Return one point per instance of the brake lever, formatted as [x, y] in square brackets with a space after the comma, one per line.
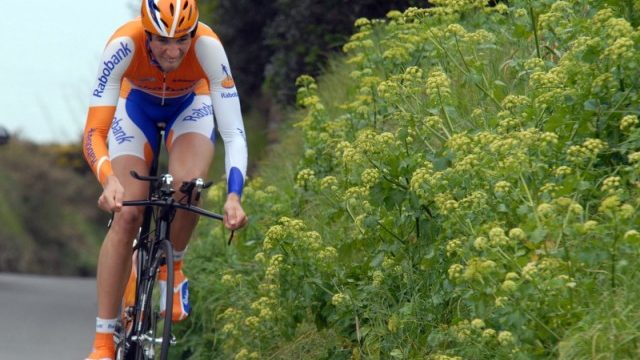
[231, 237]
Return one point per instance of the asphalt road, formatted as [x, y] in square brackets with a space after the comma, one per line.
[46, 318]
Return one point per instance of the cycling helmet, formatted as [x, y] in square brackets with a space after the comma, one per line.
[169, 18]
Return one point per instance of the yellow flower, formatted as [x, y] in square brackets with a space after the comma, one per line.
[228, 328]
[498, 237]
[632, 235]
[545, 210]
[512, 102]
[339, 299]
[512, 276]
[455, 271]
[517, 234]
[453, 246]
[617, 28]
[392, 324]
[456, 29]
[509, 286]
[563, 170]
[480, 243]
[252, 321]
[361, 22]
[329, 253]
[227, 279]
[634, 157]
[259, 257]
[370, 177]
[628, 122]
[611, 184]
[505, 338]
[305, 177]
[378, 277]
[477, 323]
[488, 333]
[609, 204]
[438, 84]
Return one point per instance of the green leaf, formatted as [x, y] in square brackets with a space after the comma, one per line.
[584, 185]
[397, 354]
[591, 105]
[523, 209]
[538, 235]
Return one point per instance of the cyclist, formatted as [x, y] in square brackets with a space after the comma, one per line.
[164, 66]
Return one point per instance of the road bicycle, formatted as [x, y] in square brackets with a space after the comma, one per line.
[142, 332]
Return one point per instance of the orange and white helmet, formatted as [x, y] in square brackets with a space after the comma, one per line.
[169, 18]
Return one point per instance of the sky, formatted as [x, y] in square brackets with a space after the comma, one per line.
[50, 56]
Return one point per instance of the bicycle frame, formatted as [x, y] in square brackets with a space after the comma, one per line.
[159, 209]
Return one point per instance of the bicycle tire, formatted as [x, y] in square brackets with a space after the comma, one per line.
[126, 348]
[147, 318]
[164, 254]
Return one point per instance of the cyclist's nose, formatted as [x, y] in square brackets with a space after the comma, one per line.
[173, 51]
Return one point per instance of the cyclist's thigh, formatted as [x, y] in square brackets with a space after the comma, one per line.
[129, 147]
[190, 140]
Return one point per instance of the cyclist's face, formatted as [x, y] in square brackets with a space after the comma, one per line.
[169, 52]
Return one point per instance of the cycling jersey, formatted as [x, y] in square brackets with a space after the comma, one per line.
[131, 89]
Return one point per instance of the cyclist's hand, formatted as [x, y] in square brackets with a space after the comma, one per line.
[112, 195]
[234, 216]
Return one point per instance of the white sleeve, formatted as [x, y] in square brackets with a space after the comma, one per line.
[115, 60]
[226, 107]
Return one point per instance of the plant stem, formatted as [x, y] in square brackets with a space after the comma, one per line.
[535, 29]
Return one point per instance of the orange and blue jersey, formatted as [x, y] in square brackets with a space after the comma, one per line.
[201, 87]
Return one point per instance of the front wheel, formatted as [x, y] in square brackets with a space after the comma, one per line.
[157, 338]
[150, 334]
[160, 323]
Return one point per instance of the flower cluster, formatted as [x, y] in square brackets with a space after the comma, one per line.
[438, 85]
[628, 122]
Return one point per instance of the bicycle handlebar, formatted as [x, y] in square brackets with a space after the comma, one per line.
[166, 200]
[174, 204]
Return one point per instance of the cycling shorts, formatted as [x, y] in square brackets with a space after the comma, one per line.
[134, 126]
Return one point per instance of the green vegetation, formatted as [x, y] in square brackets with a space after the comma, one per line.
[49, 221]
[270, 43]
[463, 184]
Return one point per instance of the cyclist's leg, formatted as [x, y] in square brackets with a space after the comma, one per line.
[128, 151]
[190, 145]
[114, 262]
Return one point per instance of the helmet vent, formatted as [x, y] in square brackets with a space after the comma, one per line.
[186, 3]
[165, 23]
[181, 21]
[155, 7]
[171, 9]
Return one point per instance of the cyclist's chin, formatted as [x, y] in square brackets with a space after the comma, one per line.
[169, 66]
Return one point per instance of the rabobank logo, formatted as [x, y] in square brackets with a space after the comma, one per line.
[229, 95]
[119, 133]
[89, 150]
[199, 113]
[108, 66]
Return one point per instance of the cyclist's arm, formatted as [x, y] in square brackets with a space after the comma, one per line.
[115, 60]
[226, 106]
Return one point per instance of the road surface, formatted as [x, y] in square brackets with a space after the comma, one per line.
[46, 317]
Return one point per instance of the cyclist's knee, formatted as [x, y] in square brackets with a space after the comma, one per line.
[128, 220]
